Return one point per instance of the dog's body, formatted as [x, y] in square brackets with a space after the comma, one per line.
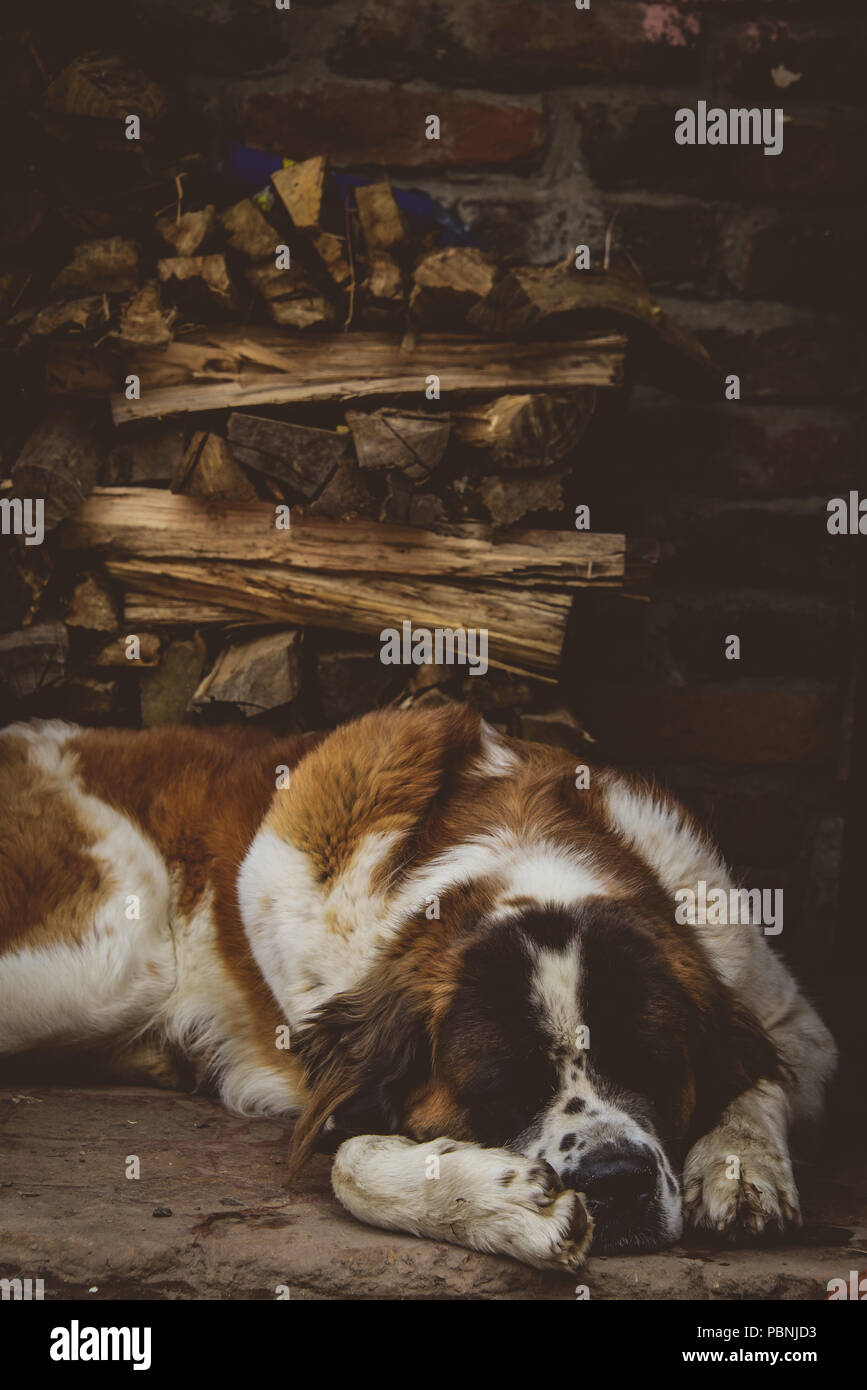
[432, 943]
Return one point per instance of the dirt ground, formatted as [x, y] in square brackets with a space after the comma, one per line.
[210, 1217]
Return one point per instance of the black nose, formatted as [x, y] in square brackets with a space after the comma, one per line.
[619, 1183]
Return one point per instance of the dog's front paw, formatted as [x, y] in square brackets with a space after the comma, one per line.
[527, 1213]
[739, 1195]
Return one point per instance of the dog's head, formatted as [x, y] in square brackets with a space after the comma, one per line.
[581, 1034]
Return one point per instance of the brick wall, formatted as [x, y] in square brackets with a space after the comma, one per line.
[556, 122]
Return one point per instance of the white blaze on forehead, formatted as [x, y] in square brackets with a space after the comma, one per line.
[552, 875]
[556, 981]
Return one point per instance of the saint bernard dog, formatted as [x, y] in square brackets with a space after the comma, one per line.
[461, 970]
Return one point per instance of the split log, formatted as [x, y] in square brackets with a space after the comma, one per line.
[249, 232]
[385, 236]
[525, 629]
[72, 316]
[59, 462]
[345, 495]
[381, 219]
[255, 676]
[199, 283]
[142, 609]
[92, 606]
[107, 266]
[103, 87]
[147, 455]
[290, 296]
[301, 189]
[301, 457]
[117, 653]
[448, 284]
[166, 691]
[412, 441]
[187, 234]
[212, 370]
[332, 252]
[209, 470]
[33, 659]
[155, 525]
[509, 499]
[145, 321]
[559, 299]
[525, 431]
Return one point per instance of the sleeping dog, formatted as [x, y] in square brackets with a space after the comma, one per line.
[457, 962]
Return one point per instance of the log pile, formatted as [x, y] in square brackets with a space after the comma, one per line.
[265, 428]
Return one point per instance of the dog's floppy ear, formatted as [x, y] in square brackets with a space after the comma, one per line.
[362, 1055]
[732, 1053]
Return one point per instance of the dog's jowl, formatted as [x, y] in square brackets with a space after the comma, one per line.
[552, 1061]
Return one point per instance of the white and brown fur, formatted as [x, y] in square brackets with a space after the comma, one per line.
[435, 912]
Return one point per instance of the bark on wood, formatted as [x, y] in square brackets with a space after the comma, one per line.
[199, 283]
[59, 462]
[92, 606]
[301, 457]
[332, 252]
[32, 659]
[155, 525]
[412, 441]
[525, 431]
[560, 299]
[381, 219]
[115, 654]
[71, 317]
[509, 499]
[290, 296]
[209, 470]
[525, 629]
[249, 232]
[212, 370]
[447, 284]
[145, 321]
[104, 87]
[187, 234]
[254, 676]
[167, 690]
[345, 495]
[107, 266]
[148, 454]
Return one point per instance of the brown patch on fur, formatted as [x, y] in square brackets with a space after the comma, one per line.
[380, 775]
[201, 795]
[50, 885]
[433, 1111]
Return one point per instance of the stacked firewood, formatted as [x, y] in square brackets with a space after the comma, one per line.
[259, 420]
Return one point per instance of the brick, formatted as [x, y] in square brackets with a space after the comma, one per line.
[773, 544]
[811, 258]
[755, 817]
[673, 241]
[629, 146]
[779, 353]
[508, 43]
[759, 56]
[781, 634]
[731, 450]
[363, 123]
[518, 46]
[735, 725]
